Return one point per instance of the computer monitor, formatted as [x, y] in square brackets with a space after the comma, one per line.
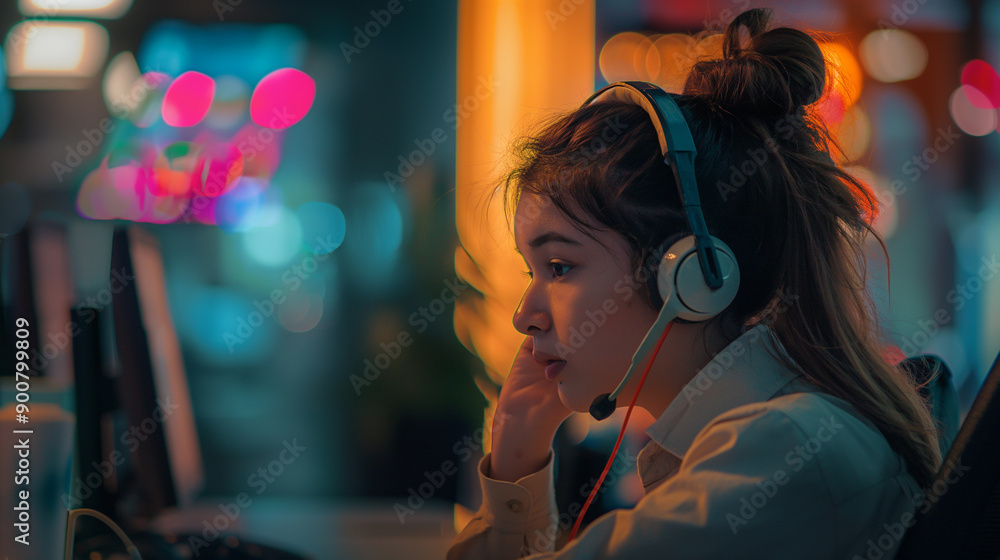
[37, 286]
[97, 414]
[153, 415]
[161, 438]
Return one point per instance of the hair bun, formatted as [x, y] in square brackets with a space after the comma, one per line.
[775, 74]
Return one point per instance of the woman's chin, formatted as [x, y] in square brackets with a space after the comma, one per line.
[573, 401]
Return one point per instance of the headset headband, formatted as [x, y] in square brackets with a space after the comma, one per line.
[678, 150]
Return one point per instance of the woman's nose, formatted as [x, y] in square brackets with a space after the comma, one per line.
[531, 315]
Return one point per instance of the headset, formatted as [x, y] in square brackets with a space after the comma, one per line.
[698, 276]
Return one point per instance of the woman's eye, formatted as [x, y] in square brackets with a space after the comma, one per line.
[559, 269]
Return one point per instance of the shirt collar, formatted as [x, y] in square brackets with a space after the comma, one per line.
[744, 372]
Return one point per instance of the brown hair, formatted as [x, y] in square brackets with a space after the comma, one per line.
[795, 220]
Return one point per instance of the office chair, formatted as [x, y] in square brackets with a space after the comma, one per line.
[960, 517]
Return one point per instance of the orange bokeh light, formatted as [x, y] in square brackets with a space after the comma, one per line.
[843, 82]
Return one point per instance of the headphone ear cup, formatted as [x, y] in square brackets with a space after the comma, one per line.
[682, 284]
[667, 266]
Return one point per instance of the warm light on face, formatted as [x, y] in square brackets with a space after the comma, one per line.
[44, 55]
[108, 9]
[558, 309]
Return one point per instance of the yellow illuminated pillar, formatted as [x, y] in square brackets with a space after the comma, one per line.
[518, 60]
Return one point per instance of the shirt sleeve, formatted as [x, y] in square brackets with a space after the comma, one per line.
[745, 489]
[512, 515]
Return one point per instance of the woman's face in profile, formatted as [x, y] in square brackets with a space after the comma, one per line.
[582, 304]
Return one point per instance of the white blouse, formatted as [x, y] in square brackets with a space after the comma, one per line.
[749, 461]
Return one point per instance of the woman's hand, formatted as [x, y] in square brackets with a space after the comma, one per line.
[529, 411]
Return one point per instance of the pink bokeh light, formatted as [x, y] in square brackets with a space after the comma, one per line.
[978, 74]
[282, 98]
[188, 99]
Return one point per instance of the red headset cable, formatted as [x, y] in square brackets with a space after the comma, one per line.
[621, 434]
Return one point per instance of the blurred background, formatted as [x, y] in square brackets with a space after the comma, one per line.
[314, 177]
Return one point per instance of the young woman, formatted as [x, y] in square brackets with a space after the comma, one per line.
[782, 429]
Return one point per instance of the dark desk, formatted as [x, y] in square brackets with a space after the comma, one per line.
[354, 530]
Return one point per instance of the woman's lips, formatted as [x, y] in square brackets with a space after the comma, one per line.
[553, 369]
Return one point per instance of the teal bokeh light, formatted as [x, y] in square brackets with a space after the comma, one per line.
[219, 324]
[323, 227]
[6, 97]
[276, 242]
[373, 245]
